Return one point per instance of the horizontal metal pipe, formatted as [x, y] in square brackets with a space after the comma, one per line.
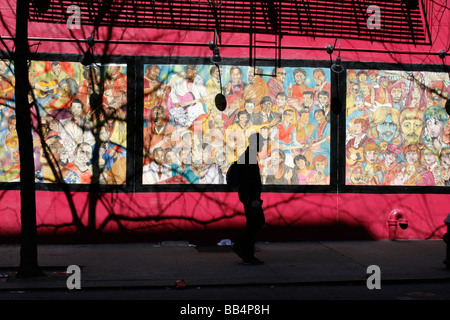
[194, 44]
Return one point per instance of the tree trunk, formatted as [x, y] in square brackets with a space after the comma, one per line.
[28, 251]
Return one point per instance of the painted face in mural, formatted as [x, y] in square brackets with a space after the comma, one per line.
[83, 155]
[434, 127]
[55, 149]
[323, 100]
[299, 78]
[191, 74]
[360, 102]
[384, 83]
[412, 130]
[158, 116]
[266, 106]
[304, 118]
[371, 156]
[159, 156]
[416, 94]
[351, 76]
[319, 77]
[355, 89]
[288, 117]
[412, 157]
[281, 75]
[249, 107]
[215, 74]
[445, 160]
[357, 129]
[76, 109]
[115, 70]
[170, 157]
[301, 163]
[387, 129]
[251, 75]
[235, 75]
[396, 95]
[429, 158]
[365, 90]
[390, 158]
[320, 117]
[308, 100]
[243, 119]
[56, 68]
[281, 100]
[362, 78]
[154, 73]
[320, 165]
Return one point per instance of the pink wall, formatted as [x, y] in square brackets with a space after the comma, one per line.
[162, 212]
[145, 41]
[155, 42]
[144, 212]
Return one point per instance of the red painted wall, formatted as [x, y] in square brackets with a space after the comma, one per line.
[153, 42]
[178, 213]
[175, 212]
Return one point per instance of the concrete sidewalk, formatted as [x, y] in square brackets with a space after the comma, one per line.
[162, 264]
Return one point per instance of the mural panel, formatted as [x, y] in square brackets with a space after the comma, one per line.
[9, 142]
[187, 140]
[80, 123]
[398, 132]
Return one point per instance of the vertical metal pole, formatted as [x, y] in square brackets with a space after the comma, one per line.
[28, 252]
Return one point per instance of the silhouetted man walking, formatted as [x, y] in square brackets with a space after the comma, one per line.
[250, 195]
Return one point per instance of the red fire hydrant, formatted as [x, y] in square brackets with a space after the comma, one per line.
[447, 241]
[397, 217]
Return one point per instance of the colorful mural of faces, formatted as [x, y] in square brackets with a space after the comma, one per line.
[397, 128]
[398, 133]
[80, 123]
[187, 140]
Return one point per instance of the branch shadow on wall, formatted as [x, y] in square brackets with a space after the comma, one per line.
[143, 225]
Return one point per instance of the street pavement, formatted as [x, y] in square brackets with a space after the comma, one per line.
[173, 264]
